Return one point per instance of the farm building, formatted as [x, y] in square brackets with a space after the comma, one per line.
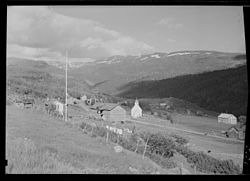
[236, 132]
[111, 112]
[227, 118]
[136, 111]
[232, 133]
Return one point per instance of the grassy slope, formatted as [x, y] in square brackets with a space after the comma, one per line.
[70, 150]
[220, 91]
[40, 79]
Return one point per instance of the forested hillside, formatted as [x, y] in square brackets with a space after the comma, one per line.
[220, 91]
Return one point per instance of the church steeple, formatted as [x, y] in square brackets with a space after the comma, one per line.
[136, 102]
[136, 111]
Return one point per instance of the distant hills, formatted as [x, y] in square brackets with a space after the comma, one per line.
[111, 73]
[213, 80]
[219, 91]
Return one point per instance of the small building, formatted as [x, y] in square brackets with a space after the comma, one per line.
[227, 118]
[232, 132]
[163, 104]
[72, 100]
[111, 112]
[28, 103]
[84, 98]
[236, 132]
[136, 111]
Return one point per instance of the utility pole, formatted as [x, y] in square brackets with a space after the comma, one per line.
[66, 87]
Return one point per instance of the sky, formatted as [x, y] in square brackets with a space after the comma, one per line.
[95, 32]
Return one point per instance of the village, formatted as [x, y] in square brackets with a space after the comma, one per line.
[115, 115]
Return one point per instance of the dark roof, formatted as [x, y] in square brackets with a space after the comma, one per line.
[105, 106]
[235, 128]
[238, 128]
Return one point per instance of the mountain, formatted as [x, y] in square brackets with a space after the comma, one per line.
[107, 75]
[220, 91]
[61, 64]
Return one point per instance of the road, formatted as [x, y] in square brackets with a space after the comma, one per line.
[187, 131]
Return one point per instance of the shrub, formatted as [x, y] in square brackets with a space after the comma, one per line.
[208, 164]
[179, 139]
[159, 144]
[100, 131]
[164, 162]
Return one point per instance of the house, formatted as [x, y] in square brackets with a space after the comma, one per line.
[111, 112]
[136, 111]
[227, 118]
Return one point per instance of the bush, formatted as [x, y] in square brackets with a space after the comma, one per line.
[164, 162]
[159, 144]
[100, 131]
[179, 139]
[208, 164]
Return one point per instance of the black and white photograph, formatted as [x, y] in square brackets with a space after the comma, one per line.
[148, 90]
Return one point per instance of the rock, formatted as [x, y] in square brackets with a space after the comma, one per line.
[133, 170]
[118, 149]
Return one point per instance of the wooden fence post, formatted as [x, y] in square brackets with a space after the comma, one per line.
[181, 168]
[117, 140]
[107, 138]
[145, 148]
[137, 145]
[92, 129]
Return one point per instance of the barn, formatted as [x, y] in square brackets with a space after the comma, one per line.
[112, 112]
[227, 118]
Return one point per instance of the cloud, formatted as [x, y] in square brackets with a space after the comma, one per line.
[38, 31]
[169, 23]
[170, 40]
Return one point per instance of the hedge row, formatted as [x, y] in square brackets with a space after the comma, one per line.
[207, 164]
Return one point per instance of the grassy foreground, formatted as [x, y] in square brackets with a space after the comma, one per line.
[55, 147]
[24, 157]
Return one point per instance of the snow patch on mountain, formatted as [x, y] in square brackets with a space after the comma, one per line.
[155, 56]
[182, 53]
[143, 58]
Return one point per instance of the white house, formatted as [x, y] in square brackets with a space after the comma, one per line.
[136, 111]
[227, 118]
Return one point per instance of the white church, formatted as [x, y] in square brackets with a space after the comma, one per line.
[136, 111]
